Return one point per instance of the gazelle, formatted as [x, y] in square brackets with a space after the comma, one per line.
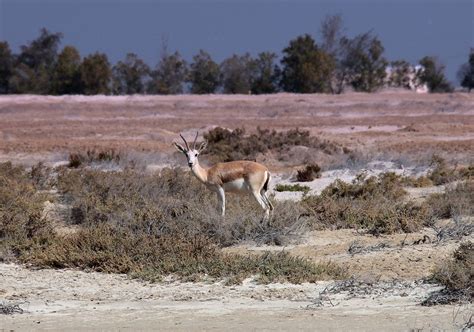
[235, 176]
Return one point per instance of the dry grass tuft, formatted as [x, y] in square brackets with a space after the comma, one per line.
[457, 275]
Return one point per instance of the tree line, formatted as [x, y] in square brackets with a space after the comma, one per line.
[331, 66]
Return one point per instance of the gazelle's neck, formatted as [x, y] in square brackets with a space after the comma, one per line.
[199, 172]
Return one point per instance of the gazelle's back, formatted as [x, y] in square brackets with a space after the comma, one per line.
[223, 173]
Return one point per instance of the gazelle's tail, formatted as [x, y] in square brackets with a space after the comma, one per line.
[265, 189]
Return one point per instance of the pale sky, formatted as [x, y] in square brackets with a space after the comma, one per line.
[408, 29]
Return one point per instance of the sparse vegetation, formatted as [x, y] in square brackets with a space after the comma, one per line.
[178, 228]
[21, 207]
[147, 226]
[10, 309]
[455, 202]
[375, 204]
[457, 275]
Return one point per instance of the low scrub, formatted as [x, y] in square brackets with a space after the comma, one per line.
[21, 210]
[228, 145]
[375, 203]
[108, 249]
[416, 182]
[442, 173]
[457, 275]
[147, 226]
[78, 159]
[150, 225]
[456, 202]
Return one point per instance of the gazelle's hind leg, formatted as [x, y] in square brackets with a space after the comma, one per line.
[263, 193]
[262, 202]
[259, 185]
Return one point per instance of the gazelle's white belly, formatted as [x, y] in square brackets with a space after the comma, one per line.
[236, 185]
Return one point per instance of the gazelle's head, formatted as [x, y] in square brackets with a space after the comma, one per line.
[191, 154]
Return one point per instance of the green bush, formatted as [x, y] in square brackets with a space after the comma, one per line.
[292, 187]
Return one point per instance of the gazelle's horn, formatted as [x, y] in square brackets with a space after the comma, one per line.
[195, 138]
[187, 146]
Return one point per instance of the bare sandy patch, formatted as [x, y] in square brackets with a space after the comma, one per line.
[68, 299]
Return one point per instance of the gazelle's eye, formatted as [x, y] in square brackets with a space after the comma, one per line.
[196, 154]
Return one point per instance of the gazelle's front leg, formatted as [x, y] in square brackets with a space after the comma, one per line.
[221, 199]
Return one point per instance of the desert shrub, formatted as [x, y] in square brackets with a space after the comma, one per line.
[442, 173]
[20, 209]
[42, 176]
[417, 182]
[292, 187]
[309, 173]
[375, 204]
[20, 205]
[457, 275]
[171, 201]
[363, 187]
[77, 159]
[147, 226]
[466, 173]
[455, 202]
[107, 249]
[228, 145]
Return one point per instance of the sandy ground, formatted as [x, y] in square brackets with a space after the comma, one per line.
[67, 299]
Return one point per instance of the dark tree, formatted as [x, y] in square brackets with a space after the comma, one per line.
[66, 74]
[6, 67]
[466, 73]
[95, 74]
[130, 76]
[332, 31]
[266, 74]
[364, 62]
[433, 75]
[237, 74]
[400, 74]
[35, 63]
[306, 67]
[204, 74]
[332, 34]
[169, 76]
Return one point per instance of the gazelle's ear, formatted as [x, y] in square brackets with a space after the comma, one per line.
[203, 146]
[179, 147]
